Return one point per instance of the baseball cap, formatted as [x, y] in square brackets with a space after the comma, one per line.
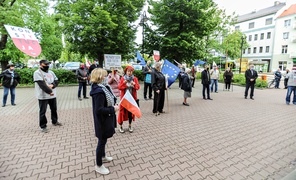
[44, 61]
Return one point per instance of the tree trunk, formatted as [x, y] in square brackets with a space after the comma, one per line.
[101, 59]
[3, 42]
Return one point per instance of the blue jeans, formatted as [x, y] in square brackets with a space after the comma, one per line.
[12, 93]
[214, 81]
[289, 92]
[277, 83]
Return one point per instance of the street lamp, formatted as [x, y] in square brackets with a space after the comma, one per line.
[142, 23]
[240, 62]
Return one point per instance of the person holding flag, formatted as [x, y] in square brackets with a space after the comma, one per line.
[127, 83]
[159, 86]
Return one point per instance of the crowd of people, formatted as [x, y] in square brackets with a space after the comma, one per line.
[106, 90]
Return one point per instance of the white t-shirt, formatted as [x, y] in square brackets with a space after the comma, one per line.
[49, 78]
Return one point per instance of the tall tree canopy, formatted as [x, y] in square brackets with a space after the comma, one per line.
[30, 14]
[184, 27]
[98, 27]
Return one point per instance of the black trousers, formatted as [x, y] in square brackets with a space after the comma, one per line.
[227, 85]
[249, 85]
[42, 111]
[100, 151]
[158, 101]
[82, 85]
[149, 87]
[204, 88]
[193, 80]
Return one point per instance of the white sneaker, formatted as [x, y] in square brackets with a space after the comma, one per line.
[121, 130]
[107, 159]
[102, 170]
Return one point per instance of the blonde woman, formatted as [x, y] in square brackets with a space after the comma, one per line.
[104, 109]
[158, 86]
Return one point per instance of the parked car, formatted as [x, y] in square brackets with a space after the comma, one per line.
[71, 66]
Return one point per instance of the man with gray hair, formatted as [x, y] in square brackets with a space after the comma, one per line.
[251, 76]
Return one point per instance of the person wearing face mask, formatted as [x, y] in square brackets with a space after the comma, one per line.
[291, 76]
[228, 76]
[82, 77]
[10, 81]
[206, 81]
[130, 83]
[45, 90]
[147, 80]
[251, 76]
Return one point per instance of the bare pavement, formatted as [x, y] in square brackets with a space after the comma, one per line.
[227, 138]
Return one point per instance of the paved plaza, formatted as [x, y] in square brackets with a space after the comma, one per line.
[227, 138]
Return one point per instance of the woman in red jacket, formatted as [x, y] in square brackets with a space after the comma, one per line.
[127, 83]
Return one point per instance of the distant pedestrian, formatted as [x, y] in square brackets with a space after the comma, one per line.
[104, 109]
[186, 85]
[193, 74]
[182, 70]
[10, 80]
[159, 87]
[130, 83]
[147, 80]
[206, 81]
[286, 79]
[113, 81]
[214, 78]
[291, 86]
[82, 76]
[277, 76]
[94, 65]
[251, 75]
[228, 76]
[45, 88]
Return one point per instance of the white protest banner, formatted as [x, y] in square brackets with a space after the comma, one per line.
[112, 61]
[24, 39]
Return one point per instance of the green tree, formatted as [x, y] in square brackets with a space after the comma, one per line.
[231, 45]
[184, 27]
[98, 27]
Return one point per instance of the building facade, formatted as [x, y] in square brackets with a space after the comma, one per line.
[260, 29]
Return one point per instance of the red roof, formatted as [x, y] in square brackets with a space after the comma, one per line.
[289, 11]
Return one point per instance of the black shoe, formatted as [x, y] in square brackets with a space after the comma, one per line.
[146, 99]
[151, 98]
[210, 99]
[245, 97]
[86, 97]
[252, 98]
[3, 105]
[58, 124]
[13, 104]
[185, 104]
[204, 98]
[79, 98]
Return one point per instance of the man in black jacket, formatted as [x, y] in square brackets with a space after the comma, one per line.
[94, 65]
[206, 81]
[147, 80]
[10, 81]
[251, 76]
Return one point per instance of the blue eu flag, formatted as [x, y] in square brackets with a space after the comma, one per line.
[170, 71]
[141, 59]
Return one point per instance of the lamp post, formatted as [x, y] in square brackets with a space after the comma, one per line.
[240, 62]
[142, 23]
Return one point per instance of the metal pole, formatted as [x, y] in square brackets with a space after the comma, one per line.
[143, 37]
[240, 62]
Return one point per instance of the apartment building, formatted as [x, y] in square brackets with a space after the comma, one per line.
[259, 29]
[284, 49]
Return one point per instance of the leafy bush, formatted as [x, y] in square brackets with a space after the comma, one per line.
[64, 76]
[139, 75]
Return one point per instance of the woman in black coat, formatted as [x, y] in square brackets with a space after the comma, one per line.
[158, 86]
[228, 76]
[104, 108]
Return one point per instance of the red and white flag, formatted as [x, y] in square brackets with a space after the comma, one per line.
[129, 103]
[24, 39]
[156, 55]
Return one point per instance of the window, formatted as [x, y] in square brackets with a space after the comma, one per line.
[244, 51]
[249, 50]
[287, 22]
[286, 35]
[284, 49]
[254, 49]
[255, 37]
[236, 27]
[251, 25]
[267, 49]
[250, 37]
[283, 65]
[268, 21]
[268, 35]
[262, 36]
[261, 49]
